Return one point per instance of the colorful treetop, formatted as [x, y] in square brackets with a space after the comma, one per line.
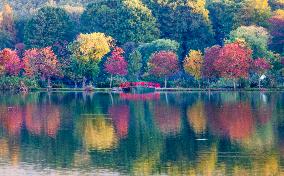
[234, 61]
[9, 62]
[163, 64]
[42, 62]
[211, 55]
[92, 46]
[193, 63]
[261, 65]
[116, 63]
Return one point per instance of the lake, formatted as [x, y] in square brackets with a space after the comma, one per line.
[75, 133]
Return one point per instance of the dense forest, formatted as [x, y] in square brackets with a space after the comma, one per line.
[181, 43]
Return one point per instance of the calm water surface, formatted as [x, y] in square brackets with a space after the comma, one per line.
[155, 134]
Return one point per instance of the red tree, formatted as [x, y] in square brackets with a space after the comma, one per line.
[234, 61]
[116, 64]
[41, 62]
[211, 54]
[260, 66]
[163, 64]
[10, 62]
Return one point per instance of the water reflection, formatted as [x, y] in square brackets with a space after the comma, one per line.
[197, 118]
[166, 133]
[97, 132]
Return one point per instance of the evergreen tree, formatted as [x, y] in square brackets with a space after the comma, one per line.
[47, 27]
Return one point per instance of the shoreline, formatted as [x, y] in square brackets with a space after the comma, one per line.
[162, 90]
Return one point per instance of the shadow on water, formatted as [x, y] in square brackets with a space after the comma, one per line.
[217, 133]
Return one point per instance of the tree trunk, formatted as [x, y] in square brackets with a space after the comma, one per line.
[234, 81]
[110, 83]
[199, 85]
[84, 82]
[48, 82]
[259, 83]
[165, 82]
[76, 86]
[208, 82]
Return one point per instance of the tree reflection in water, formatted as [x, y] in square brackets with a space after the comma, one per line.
[197, 118]
[167, 118]
[98, 133]
[120, 116]
[243, 133]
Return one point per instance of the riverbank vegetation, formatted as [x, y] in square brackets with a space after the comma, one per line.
[187, 43]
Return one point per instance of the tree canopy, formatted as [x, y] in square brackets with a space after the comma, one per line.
[125, 20]
[47, 27]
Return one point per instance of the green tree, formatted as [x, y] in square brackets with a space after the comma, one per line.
[158, 45]
[6, 40]
[257, 39]
[125, 20]
[186, 21]
[48, 26]
[146, 50]
[72, 70]
[222, 16]
[134, 66]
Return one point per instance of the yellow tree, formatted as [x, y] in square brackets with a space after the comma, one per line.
[193, 64]
[89, 49]
[92, 46]
[7, 19]
[259, 10]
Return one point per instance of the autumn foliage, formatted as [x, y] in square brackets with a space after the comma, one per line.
[163, 64]
[193, 64]
[40, 62]
[116, 64]
[261, 65]
[92, 46]
[277, 31]
[234, 61]
[10, 63]
[211, 55]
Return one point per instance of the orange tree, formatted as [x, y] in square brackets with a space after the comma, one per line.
[42, 63]
[193, 64]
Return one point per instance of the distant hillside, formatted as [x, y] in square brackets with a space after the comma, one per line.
[25, 8]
